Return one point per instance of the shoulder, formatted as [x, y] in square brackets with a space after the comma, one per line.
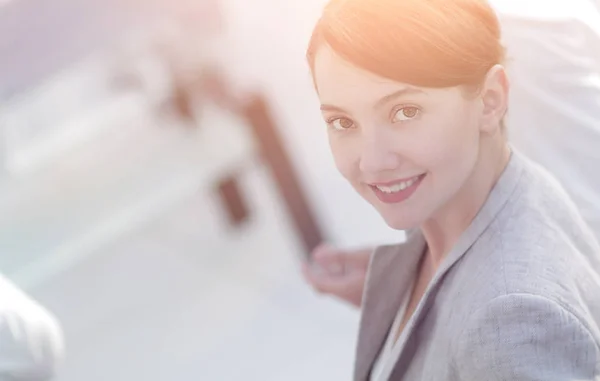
[537, 249]
[526, 337]
[540, 218]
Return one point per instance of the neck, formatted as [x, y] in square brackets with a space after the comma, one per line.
[443, 230]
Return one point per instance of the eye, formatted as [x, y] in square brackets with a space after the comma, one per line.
[340, 124]
[406, 113]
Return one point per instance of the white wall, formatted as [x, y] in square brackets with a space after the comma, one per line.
[265, 47]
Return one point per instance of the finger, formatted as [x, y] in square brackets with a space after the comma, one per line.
[337, 286]
[338, 261]
[326, 254]
[320, 277]
[360, 258]
[329, 259]
[311, 277]
[313, 272]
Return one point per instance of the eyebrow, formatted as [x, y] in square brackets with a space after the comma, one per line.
[325, 107]
[385, 99]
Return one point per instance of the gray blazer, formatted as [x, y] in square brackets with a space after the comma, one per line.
[518, 297]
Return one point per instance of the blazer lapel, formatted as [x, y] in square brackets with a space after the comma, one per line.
[391, 271]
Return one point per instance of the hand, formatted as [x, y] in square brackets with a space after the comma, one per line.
[340, 273]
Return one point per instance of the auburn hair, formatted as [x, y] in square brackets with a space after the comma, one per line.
[426, 43]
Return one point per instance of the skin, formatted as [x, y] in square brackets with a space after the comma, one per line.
[382, 131]
[341, 273]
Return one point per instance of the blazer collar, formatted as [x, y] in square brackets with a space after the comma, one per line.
[390, 274]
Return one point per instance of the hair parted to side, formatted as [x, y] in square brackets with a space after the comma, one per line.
[425, 43]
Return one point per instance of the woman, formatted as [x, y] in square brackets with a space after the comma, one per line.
[499, 277]
[552, 93]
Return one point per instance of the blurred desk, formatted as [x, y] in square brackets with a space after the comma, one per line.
[122, 240]
[182, 298]
[93, 193]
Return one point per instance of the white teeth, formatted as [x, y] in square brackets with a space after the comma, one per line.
[398, 187]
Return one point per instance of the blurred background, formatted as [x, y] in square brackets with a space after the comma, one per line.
[164, 171]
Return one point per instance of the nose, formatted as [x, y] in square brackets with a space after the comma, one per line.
[378, 154]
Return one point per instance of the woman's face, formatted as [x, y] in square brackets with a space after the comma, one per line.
[407, 150]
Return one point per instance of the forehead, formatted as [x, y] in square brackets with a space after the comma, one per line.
[343, 85]
[337, 80]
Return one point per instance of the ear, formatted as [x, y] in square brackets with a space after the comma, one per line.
[494, 96]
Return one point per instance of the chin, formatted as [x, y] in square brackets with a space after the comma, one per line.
[398, 221]
[397, 216]
[401, 225]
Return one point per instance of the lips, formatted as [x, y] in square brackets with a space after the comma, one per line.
[397, 191]
[398, 186]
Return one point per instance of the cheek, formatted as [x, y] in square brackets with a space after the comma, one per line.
[458, 148]
[445, 145]
[344, 156]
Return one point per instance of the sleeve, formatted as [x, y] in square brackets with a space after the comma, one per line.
[31, 340]
[526, 337]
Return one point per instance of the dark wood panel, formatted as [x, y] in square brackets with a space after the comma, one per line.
[266, 133]
[233, 201]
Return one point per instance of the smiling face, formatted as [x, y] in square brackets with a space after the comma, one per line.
[407, 150]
